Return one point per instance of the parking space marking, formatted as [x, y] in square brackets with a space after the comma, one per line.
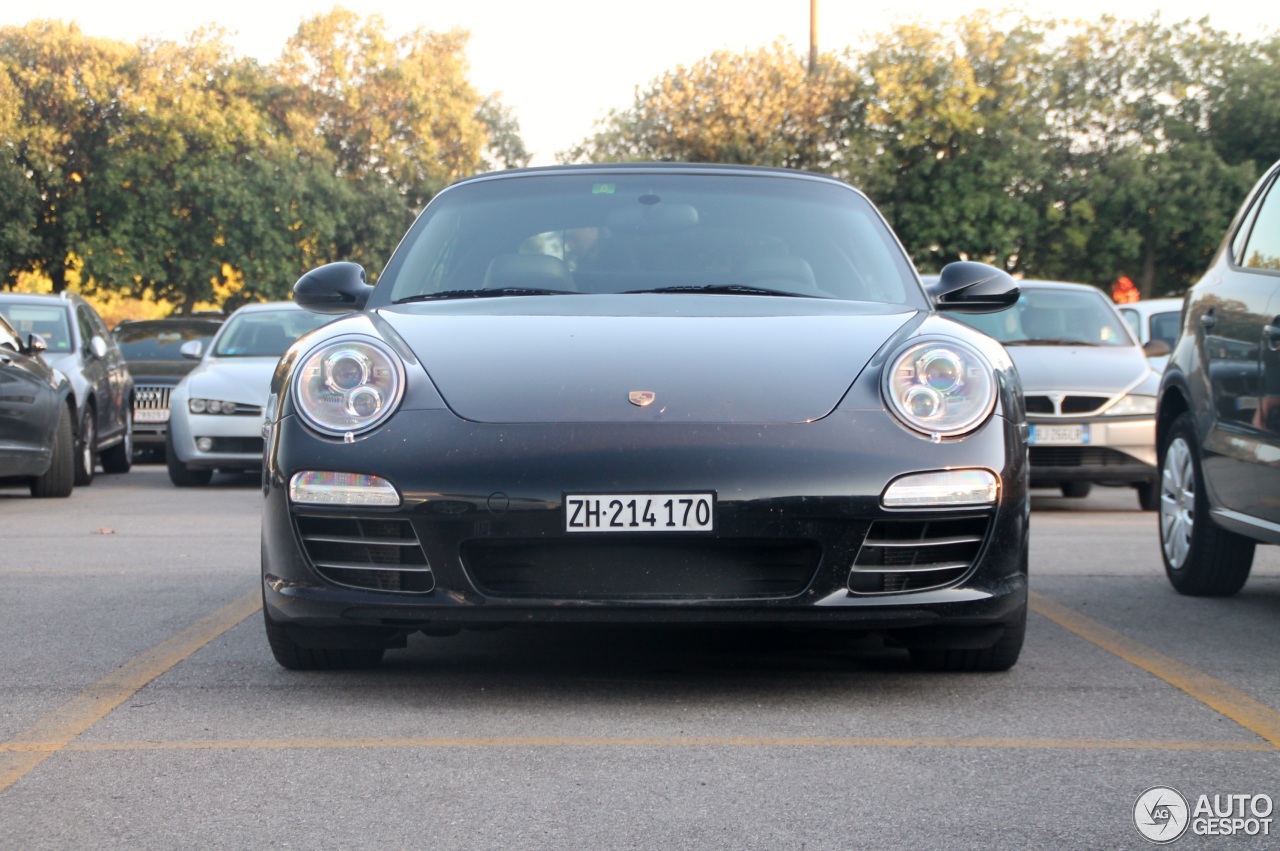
[1246, 711]
[670, 742]
[60, 727]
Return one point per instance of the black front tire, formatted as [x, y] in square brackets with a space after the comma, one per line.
[180, 474]
[59, 479]
[1076, 490]
[289, 654]
[86, 449]
[119, 458]
[1201, 558]
[1000, 656]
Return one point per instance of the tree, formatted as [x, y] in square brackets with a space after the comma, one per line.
[759, 107]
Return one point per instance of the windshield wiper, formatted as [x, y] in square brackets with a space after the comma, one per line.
[496, 292]
[719, 289]
[1051, 342]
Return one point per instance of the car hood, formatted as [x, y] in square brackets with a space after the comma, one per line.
[245, 381]
[1105, 370]
[160, 371]
[706, 359]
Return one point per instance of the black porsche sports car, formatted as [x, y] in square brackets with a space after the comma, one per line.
[647, 394]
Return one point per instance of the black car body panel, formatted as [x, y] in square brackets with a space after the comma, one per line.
[770, 405]
[32, 396]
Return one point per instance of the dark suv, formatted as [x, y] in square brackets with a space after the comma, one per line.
[1218, 426]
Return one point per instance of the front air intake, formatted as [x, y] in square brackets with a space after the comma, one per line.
[377, 553]
[899, 556]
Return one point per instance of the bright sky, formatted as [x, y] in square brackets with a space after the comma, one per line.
[563, 64]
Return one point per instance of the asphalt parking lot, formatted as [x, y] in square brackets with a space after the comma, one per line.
[140, 708]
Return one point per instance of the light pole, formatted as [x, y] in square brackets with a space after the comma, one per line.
[813, 36]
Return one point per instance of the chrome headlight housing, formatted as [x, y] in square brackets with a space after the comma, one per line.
[940, 387]
[348, 385]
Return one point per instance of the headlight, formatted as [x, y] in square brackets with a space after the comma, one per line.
[1133, 406]
[348, 386]
[941, 388]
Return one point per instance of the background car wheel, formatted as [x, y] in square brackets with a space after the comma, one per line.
[296, 658]
[87, 449]
[119, 458]
[1076, 490]
[180, 474]
[60, 478]
[1200, 558]
[1000, 656]
[1148, 495]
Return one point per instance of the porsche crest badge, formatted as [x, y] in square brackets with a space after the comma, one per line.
[642, 398]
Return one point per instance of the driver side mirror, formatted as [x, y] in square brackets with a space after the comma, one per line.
[35, 345]
[192, 349]
[1156, 348]
[333, 288]
[98, 346]
[968, 287]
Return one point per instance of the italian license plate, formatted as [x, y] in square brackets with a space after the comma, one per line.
[151, 415]
[1059, 435]
[640, 512]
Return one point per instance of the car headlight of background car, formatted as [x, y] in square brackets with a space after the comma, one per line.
[217, 406]
[348, 386]
[1133, 405]
[941, 388]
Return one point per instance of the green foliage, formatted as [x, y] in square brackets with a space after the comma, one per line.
[192, 175]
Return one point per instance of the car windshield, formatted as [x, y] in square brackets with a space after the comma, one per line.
[47, 322]
[265, 333]
[161, 340]
[642, 232]
[1053, 317]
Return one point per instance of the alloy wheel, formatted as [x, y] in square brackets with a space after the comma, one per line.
[1177, 502]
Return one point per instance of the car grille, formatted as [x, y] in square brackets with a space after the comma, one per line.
[1069, 406]
[381, 554]
[914, 555]
[1078, 456]
[150, 397]
[642, 570]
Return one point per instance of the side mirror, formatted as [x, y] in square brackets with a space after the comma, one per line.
[333, 288]
[1157, 348]
[968, 287]
[192, 349]
[98, 346]
[36, 345]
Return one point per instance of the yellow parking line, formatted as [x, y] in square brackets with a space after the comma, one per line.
[56, 730]
[655, 742]
[1239, 707]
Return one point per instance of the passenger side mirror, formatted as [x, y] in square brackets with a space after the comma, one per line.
[1156, 348]
[333, 288]
[968, 287]
[192, 349]
[35, 345]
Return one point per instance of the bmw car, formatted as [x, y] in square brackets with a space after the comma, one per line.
[647, 395]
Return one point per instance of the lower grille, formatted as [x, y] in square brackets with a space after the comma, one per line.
[644, 570]
[238, 445]
[381, 554]
[914, 555]
[1078, 456]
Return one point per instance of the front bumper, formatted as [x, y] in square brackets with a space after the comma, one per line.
[479, 536]
[1120, 451]
[236, 440]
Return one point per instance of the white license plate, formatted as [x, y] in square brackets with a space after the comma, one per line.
[1059, 435]
[151, 415]
[640, 512]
